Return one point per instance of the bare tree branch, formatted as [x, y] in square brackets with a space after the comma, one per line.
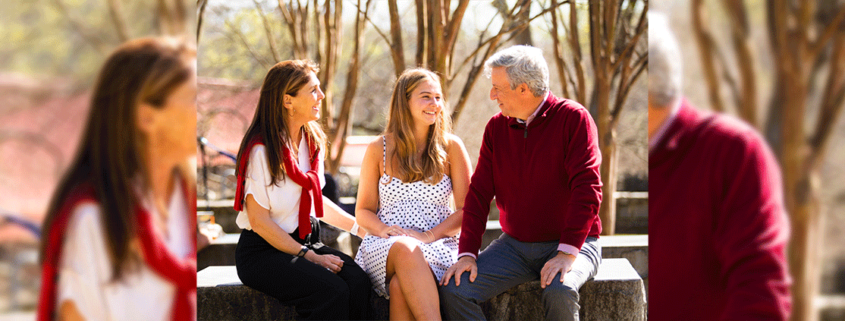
[498, 36]
[832, 103]
[741, 36]
[381, 33]
[118, 20]
[172, 17]
[396, 48]
[255, 55]
[831, 29]
[200, 15]
[640, 66]
[79, 27]
[422, 26]
[627, 52]
[340, 132]
[575, 46]
[271, 40]
[705, 40]
[294, 28]
[558, 52]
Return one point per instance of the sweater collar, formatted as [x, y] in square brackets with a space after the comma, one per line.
[676, 137]
[539, 114]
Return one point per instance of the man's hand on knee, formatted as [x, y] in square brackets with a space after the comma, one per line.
[561, 263]
[464, 264]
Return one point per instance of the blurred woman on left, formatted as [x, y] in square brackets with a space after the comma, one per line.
[119, 241]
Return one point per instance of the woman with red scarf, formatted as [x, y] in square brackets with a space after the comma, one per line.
[119, 238]
[280, 177]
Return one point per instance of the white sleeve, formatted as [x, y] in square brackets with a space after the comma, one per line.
[258, 177]
[84, 270]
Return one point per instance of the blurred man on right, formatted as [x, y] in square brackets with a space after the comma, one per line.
[717, 224]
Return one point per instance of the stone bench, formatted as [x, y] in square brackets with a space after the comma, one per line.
[631, 212]
[616, 293]
[220, 252]
[631, 247]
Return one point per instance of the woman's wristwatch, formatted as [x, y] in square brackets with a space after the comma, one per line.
[302, 251]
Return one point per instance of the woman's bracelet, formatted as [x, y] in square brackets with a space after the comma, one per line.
[432, 235]
[354, 229]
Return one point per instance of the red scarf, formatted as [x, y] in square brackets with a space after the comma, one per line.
[180, 272]
[309, 181]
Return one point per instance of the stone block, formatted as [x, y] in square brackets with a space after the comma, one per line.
[631, 247]
[221, 251]
[631, 212]
[616, 293]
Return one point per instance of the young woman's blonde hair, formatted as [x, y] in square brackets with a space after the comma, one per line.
[400, 124]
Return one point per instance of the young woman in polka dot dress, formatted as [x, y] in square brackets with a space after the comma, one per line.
[407, 178]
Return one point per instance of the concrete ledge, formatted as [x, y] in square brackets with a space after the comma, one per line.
[631, 213]
[220, 252]
[222, 296]
[616, 293]
[631, 247]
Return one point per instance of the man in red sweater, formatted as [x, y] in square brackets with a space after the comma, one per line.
[540, 158]
[717, 225]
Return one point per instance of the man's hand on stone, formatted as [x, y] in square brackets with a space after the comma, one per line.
[464, 264]
[561, 263]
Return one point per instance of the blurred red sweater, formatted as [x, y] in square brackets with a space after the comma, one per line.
[717, 225]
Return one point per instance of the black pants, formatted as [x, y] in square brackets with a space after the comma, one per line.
[315, 292]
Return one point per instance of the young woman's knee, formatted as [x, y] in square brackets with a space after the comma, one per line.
[404, 248]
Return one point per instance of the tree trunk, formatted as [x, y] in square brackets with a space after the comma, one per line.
[607, 144]
[804, 250]
[523, 36]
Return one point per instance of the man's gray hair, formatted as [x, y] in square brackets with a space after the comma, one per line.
[664, 62]
[523, 64]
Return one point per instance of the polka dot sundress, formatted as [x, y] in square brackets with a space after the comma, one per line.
[418, 206]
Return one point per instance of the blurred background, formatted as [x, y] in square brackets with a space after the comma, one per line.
[780, 66]
[50, 55]
[596, 51]
[52, 50]
[362, 46]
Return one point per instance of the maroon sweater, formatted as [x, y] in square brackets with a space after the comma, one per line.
[545, 178]
[717, 224]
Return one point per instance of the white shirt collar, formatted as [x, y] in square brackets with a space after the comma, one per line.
[536, 110]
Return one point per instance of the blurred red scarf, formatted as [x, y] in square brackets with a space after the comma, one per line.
[180, 272]
[310, 182]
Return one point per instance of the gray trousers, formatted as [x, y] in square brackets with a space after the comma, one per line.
[507, 263]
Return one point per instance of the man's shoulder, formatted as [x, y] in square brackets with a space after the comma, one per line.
[730, 140]
[566, 107]
[727, 129]
[498, 120]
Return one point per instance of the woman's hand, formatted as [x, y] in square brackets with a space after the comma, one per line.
[425, 237]
[389, 231]
[328, 261]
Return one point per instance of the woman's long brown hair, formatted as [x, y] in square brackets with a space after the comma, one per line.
[109, 156]
[270, 119]
[400, 123]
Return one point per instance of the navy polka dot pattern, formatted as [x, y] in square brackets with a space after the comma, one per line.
[417, 206]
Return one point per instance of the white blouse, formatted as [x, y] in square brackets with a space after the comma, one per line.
[85, 269]
[283, 198]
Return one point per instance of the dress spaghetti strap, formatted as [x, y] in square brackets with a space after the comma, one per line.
[384, 154]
